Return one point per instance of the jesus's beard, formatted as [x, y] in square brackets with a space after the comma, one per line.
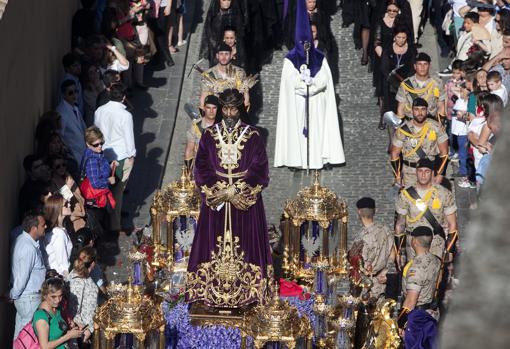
[230, 122]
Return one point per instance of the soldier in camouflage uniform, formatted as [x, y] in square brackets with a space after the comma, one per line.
[421, 85]
[417, 139]
[419, 285]
[426, 204]
[375, 246]
[211, 115]
[225, 75]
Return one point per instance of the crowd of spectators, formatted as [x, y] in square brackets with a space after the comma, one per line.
[85, 149]
[473, 36]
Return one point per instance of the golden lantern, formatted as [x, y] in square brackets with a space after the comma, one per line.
[317, 221]
[174, 213]
[276, 321]
[128, 311]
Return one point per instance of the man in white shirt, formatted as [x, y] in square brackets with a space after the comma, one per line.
[73, 125]
[116, 123]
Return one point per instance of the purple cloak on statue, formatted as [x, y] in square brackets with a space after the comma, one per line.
[250, 226]
[421, 330]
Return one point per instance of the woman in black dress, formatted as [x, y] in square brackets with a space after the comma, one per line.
[397, 63]
[383, 39]
[221, 14]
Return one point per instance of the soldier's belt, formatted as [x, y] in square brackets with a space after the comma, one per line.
[410, 164]
[425, 306]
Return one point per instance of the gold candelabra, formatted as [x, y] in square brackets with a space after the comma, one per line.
[128, 310]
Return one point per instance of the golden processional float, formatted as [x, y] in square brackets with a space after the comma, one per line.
[315, 255]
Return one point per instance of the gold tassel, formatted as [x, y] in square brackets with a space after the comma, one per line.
[432, 135]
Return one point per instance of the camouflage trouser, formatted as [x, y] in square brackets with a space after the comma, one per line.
[377, 288]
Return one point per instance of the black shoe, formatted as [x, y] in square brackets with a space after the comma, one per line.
[364, 59]
[418, 45]
[382, 126]
[170, 63]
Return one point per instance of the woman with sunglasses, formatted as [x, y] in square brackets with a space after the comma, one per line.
[58, 244]
[83, 295]
[49, 326]
[95, 167]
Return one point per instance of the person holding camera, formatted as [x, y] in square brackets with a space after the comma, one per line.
[86, 238]
[83, 293]
[49, 326]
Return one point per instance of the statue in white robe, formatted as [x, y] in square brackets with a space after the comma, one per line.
[325, 143]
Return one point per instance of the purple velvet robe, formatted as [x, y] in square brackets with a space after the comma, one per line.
[250, 226]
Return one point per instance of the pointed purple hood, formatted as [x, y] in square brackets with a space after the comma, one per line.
[304, 34]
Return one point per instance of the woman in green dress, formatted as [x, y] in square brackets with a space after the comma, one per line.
[49, 326]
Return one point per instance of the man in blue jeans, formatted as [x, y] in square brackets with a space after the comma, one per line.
[28, 270]
[459, 130]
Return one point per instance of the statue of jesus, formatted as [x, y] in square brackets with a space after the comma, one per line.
[230, 259]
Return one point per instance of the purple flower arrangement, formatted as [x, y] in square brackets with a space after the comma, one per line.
[181, 334]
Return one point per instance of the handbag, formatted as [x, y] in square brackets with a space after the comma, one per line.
[26, 338]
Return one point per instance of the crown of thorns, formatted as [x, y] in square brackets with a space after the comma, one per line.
[231, 98]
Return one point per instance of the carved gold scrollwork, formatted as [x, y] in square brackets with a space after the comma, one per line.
[226, 280]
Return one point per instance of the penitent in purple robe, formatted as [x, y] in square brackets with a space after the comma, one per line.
[250, 226]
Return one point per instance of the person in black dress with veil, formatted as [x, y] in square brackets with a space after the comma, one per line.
[397, 63]
[382, 40]
[221, 14]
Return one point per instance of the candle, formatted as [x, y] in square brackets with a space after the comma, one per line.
[137, 273]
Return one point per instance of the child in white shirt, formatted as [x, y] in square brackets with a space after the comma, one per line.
[496, 87]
